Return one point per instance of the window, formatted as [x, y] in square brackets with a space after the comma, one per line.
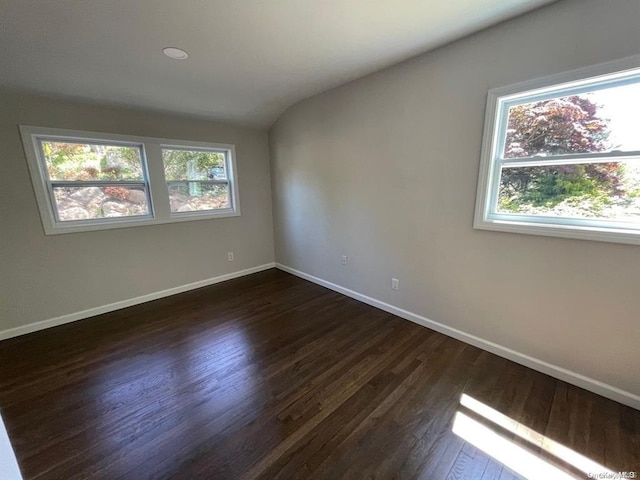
[89, 181]
[197, 179]
[561, 156]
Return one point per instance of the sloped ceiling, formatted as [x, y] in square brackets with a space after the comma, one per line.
[249, 60]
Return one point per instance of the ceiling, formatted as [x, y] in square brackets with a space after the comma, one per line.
[248, 61]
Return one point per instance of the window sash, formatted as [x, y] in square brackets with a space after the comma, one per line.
[97, 183]
[40, 139]
[80, 184]
[231, 207]
[494, 191]
[224, 153]
[579, 159]
[586, 85]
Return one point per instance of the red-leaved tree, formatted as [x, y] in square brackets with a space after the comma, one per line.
[560, 126]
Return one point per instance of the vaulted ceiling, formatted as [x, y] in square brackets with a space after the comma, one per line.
[248, 59]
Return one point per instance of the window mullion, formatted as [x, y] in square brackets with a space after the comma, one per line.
[608, 157]
[204, 182]
[494, 186]
[97, 183]
[157, 185]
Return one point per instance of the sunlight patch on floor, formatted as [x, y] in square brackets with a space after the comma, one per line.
[558, 450]
[512, 455]
[506, 452]
[8, 464]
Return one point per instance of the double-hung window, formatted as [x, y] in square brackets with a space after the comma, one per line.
[561, 156]
[91, 181]
[197, 179]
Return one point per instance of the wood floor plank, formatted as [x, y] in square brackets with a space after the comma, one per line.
[471, 463]
[492, 471]
[269, 376]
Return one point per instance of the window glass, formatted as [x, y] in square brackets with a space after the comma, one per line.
[90, 202]
[87, 161]
[193, 165]
[604, 191]
[197, 180]
[598, 121]
[195, 196]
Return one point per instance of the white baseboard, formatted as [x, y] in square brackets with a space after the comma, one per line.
[72, 317]
[582, 381]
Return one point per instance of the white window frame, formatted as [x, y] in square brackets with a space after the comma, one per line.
[152, 166]
[499, 100]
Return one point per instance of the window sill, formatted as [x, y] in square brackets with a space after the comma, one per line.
[120, 222]
[613, 235]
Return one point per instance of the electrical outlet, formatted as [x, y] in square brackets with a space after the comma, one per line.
[344, 260]
[230, 256]
[395, 284]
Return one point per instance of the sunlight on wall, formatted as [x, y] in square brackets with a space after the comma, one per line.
[8, 464]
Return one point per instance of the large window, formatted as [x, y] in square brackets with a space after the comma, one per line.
[561, 156]
[88, 181]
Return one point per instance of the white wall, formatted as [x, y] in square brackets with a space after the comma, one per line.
[384, 170]
[49, 276]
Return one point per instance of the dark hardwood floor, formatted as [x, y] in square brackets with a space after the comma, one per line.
[270, 376]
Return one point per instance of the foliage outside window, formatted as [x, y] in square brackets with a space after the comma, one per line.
[196, 179]
[92, 181]
[563, 158]
[88, 181]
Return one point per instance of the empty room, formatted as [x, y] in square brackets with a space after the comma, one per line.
[346, 239]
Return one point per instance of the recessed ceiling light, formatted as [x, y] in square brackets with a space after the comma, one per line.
[175, 53]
